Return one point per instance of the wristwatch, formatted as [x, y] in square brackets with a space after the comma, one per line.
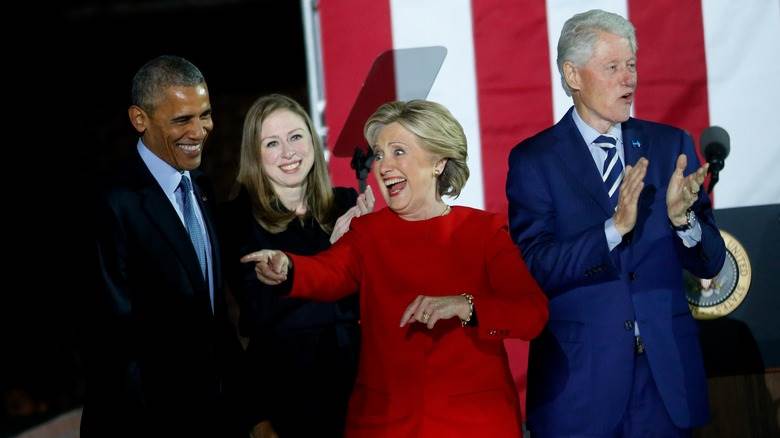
[690, 217]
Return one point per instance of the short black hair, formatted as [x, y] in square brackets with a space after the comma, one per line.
[160, 73]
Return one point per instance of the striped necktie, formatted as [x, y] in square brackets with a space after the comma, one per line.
[612, 172]
[193, 226]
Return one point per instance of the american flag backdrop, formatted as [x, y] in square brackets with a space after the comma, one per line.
[700, 63]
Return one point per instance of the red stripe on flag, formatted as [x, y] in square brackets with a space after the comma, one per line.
[513, 83]
[353, 34]
[513, 89]
[671, 64]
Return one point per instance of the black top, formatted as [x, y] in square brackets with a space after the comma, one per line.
[261, 308]
[302, 355]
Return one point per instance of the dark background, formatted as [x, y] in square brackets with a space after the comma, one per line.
[73, 124]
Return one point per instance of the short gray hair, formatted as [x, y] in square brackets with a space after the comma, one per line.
[439, 133]
[160, 73]
[580, 33]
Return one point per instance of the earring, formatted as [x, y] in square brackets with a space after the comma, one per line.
[435, 172]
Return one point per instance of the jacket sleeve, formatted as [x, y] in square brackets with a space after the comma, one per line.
[512, 304]
[330, 275]
[111, 344]
[556, 263]
[705, 259]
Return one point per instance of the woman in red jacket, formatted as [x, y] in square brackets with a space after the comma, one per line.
[440, 287]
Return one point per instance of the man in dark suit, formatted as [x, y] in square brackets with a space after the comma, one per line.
[607, 212]
[161, 347]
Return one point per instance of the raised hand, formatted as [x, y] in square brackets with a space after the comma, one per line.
[271, 266]
[683, 190]
[364, 205]
[632, 185]
[365, 201]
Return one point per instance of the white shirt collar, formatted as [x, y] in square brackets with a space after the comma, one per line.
[166, 175]
[589, 134]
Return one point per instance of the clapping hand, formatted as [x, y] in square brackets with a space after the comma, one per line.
[683, 190]
[630, 189]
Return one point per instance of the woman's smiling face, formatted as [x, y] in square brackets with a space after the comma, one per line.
[404, 171]
[286, 149]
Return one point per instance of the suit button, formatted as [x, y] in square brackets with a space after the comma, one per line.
[492, 332]
[629, 325]
[632, 276]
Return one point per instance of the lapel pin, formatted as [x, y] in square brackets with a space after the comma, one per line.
[636, 144]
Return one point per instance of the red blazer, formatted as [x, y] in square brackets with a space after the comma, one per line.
[449, 381]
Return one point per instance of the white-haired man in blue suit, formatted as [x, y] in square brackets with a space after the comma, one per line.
[607, 211]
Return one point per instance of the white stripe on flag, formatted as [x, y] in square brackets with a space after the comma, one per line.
[447, 23]
[742, 41]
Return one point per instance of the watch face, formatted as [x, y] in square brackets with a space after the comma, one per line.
[691, 218]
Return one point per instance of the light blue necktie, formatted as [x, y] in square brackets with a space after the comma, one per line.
[193, 226]
[612, 172]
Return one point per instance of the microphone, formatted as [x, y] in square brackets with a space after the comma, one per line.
[715, 145]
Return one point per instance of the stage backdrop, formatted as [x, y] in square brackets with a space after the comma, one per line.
[700, 63]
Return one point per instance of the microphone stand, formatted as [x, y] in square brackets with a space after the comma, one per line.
[716, 165]
[714, 176]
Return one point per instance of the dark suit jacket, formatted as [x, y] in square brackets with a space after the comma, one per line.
[581, 367]
[158, 355]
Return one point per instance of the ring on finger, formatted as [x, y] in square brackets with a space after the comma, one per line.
[426, 316]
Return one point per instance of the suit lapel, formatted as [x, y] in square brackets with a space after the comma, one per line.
[161, 213]
[635, 145]
[576, 157]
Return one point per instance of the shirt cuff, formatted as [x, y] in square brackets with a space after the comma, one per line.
[613, 237]
[691, 236]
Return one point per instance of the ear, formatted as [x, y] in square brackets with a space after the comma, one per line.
[438, 168]
[571, 75]
[138, 118]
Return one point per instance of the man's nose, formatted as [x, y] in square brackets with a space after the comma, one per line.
[201, 128]
[629, 77]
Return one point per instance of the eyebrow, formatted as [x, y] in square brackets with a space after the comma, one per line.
[262, 139]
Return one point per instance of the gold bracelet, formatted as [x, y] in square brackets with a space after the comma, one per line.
[470, 299]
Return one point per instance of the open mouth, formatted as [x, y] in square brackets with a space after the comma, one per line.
[628, 97]
[395, 185]
[190, 149]
[290, 167]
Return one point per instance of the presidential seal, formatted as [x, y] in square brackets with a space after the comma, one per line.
[719, 296]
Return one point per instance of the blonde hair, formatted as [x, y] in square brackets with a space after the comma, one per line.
[439, 133]
[267, 208]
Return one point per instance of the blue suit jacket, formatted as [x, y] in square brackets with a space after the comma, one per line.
[581, 367]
